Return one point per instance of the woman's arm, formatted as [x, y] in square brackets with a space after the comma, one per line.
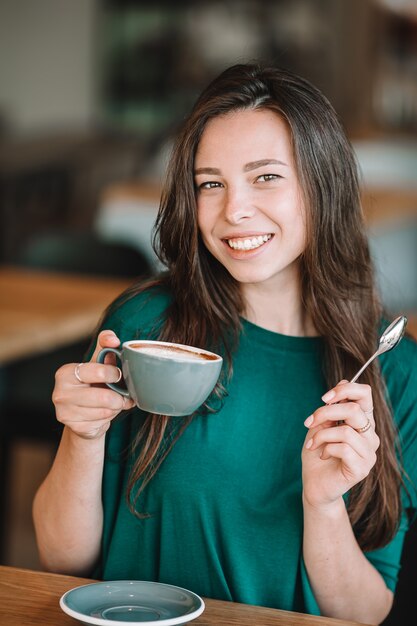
[339, 452]
[67, 508]
[345, 584]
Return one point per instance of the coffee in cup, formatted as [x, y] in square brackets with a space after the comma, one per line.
[165, 378]
[173, 350]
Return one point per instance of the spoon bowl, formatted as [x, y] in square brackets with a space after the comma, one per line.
[390, 338]
[393, 334]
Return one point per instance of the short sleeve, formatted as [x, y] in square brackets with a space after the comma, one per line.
[139, 316]
[387, 559]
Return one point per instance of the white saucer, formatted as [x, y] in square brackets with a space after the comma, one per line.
[115, 603]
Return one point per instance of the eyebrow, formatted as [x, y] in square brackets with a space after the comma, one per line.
[253, 165]
[207, 170]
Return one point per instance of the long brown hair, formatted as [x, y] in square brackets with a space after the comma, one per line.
[338, 286]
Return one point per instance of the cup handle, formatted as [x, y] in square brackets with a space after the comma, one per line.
[100, 359]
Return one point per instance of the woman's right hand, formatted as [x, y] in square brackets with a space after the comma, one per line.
[88, 407]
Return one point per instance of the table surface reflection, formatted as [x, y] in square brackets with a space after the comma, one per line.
[29, 597]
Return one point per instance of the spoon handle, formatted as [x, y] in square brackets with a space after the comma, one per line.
[356, 376]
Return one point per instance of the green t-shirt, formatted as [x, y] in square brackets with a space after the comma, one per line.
[225, 506]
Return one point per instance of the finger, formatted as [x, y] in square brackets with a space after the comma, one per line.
[70, 414]
[362, 394]
[92, 373]
[348, 412]
[105, 339]
[343, 434]
[107, 405]
[99, 398]
[355, 468]
[83, 415]
[93, 397]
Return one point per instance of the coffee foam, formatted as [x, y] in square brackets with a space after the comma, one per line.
[165, 351]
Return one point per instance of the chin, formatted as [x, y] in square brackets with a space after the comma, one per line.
[250, 277]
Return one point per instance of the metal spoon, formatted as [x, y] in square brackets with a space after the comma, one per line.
[389, 339]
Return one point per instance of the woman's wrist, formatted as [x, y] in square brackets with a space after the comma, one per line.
[330, 510]
[89, 441]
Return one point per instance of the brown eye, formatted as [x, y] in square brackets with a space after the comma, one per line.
[268, 177]
[209, 185]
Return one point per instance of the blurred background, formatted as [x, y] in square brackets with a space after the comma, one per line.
[91, 94]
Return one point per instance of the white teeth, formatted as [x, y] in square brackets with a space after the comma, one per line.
[248, 244]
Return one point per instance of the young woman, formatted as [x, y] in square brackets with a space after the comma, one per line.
[287, 489]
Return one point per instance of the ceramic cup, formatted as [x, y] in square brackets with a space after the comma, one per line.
[165, 378]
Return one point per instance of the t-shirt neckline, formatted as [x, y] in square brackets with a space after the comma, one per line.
[278, 340]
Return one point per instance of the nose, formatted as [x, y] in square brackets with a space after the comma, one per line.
[237, 207]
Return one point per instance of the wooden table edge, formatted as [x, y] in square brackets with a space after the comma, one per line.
[217, 612]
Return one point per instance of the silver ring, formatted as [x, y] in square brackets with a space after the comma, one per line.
[120, 375]
[364, 428]
[77, 373]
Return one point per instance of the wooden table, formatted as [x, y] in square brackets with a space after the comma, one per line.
[28, 598]
[389, 205]
[44, 310]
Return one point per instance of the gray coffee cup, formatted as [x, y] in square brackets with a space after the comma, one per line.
[163, 377]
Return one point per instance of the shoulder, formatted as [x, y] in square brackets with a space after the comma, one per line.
[138, 312]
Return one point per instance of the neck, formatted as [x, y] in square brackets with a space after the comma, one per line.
[281, 311]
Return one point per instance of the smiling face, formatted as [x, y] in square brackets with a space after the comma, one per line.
[250, 207]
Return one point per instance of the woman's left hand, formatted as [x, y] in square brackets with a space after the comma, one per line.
[340, 448]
